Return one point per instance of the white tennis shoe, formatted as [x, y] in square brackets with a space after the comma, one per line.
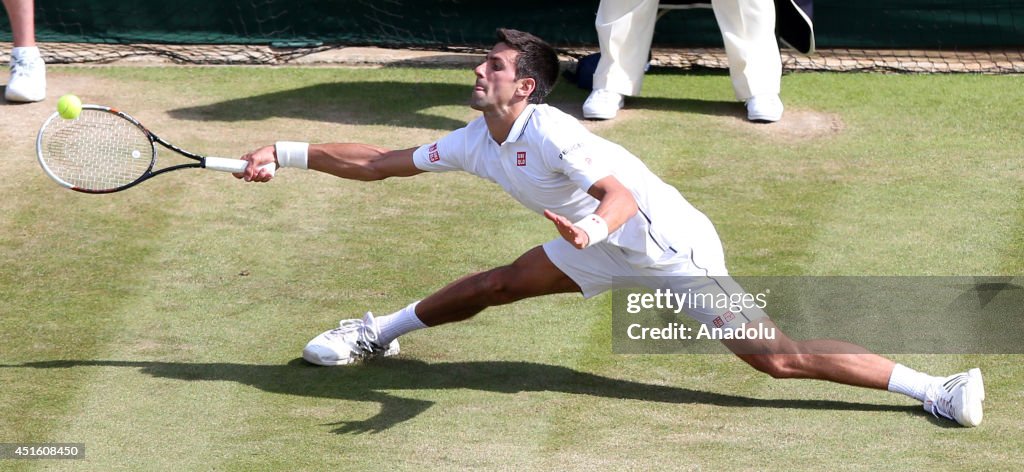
[958, 397]
[352, 341]
[764, 109]
[28, 79]
[602, 105]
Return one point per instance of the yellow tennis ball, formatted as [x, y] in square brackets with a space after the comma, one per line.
[69, 107]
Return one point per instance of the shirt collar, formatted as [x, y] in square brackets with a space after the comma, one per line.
[519, 127]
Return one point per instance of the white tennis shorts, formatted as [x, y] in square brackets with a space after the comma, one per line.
[699, 267]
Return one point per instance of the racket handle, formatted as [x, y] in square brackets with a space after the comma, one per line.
[233, 165]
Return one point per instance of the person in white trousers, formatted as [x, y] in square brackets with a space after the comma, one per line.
[28, 71]
[625, 29]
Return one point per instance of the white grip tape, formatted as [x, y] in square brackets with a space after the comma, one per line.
[234, 166]
[595, 227]
[292, 154]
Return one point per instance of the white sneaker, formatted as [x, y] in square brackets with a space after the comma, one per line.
[352, 341]
[764, 109]
[958, 398]
[602, 105]
[28, 79]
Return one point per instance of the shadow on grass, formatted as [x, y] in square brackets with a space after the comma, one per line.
[569, 98]
[369, 382]
[689, 105]
[355, 103]
[679, 105]
[404, 104]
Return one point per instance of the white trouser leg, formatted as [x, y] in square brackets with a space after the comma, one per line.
[748, 30]
[624, 29]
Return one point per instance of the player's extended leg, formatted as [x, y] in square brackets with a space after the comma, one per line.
[531, 275]
[958, 397]
[822, 359]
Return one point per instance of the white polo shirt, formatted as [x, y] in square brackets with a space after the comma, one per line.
[550, 160]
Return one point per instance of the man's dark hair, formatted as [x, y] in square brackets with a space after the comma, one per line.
[537, 60]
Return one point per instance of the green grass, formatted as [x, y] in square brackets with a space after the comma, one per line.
[161, 326]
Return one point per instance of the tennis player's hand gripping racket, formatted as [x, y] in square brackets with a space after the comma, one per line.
[105, 150]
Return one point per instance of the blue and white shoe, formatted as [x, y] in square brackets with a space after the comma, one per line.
[959, 398]
[352, 341]
[28, 78]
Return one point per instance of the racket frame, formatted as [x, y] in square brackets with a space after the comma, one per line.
[215, 163]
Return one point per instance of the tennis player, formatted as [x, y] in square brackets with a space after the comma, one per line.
[614, 218]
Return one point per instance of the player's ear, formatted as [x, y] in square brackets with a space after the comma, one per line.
[526, 86]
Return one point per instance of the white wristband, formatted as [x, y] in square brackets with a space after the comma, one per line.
[595, 227]
[292, 154]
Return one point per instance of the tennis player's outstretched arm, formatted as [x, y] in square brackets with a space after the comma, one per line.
[346, 160]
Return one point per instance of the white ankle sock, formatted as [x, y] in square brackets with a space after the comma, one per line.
[27, 52]
[398, 323]
[910, 382]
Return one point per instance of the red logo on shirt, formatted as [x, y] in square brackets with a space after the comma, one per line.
[729, 316]
[718, 321]
[521, 158]
[433, 155]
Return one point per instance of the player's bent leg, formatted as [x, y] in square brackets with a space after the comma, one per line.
[531, 275]
[355, 340]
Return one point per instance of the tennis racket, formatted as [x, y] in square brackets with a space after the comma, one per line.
[105, 150]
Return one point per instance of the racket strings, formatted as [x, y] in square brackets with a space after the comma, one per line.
[96, 151]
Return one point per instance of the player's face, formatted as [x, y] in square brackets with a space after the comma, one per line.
[496, 82]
